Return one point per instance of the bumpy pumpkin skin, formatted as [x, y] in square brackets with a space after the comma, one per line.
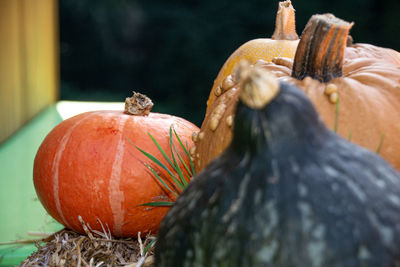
[259, 49]
[370, 51]
[368, 108]
[282, 44]
[369, 98]
[88, 167]
[224, 94]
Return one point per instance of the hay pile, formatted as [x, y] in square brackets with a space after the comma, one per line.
[68, 248]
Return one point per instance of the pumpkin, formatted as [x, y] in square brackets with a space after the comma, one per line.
[283, 43]
[364, 78]
[87, 167]
[286, 192]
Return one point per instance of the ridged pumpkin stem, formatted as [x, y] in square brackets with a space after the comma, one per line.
[138, 104]
[285, 25]
[321, 48]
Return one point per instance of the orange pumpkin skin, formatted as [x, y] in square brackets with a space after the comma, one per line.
[88, 167]
[368, 109]
[224, 93]
[369, 101]
[371, 51]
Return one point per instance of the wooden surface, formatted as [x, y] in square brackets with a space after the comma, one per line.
[28, 60]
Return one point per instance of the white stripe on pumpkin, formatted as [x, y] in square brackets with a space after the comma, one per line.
[56, 166]
[116, 196]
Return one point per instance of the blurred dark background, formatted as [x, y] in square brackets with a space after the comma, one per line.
[172, 50]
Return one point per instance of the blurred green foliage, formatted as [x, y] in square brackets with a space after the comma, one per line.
[172, 50]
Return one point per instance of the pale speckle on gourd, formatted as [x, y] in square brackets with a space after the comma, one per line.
[229, 120]
[216, 116]
[303, 190]
[385, 232]
[363, 253]
[333, 98]
[394, 199]
[357, 190]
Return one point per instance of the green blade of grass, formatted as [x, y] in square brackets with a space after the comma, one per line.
[152, 242]
[350, 135]
[168, 160]
[161, 180]
[161, 150]
[158, 204]
[378, 150]
[190, 174]
[176, 166]
[193, 173]
[159, 163]
[336, 116]
[185, 177]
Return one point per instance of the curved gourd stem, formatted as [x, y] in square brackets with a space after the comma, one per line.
[321, 48]
[285, 24]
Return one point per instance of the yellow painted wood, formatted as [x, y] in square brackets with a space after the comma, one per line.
[28, 60]
[11, 78]
[40, 39]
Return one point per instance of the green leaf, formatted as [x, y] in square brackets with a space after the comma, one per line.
[350, 135]
[176, 166]
[152, 242]
[159, 163]
[178, 183]
[378, 150]
[158, 204]
[336, 116]
[182, 181]
[161, 180]
[193, 173]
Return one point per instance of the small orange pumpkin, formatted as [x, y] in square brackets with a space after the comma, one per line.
[88, 167]
[364, 78]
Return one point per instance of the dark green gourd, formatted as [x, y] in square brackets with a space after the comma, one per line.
[287, 192]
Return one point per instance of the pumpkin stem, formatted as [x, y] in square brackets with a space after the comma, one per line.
[321, 48]
[285, 24]
[138, 104]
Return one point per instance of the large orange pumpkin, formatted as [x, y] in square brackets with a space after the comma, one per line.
[87, 166]
[364, 78]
